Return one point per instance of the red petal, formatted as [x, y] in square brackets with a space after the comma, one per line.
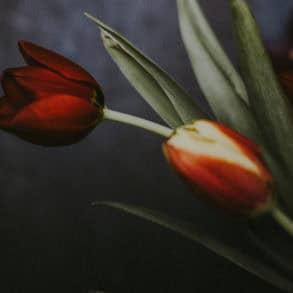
[40, 82]
[243, 142]
[6, 109]
[37, 55]
[16, 95]
[58, 120]
[224, 184]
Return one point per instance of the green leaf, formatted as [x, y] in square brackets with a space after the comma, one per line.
[272, 108]
[132, 62]
[278, 259]
[196, 28]
[223, 87]
[219, 81]
[144, 83]
[197, 234]
[282, 180]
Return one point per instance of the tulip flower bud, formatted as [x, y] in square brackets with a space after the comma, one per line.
[51, 101]
[222, 166]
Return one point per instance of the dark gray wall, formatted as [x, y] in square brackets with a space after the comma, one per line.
[51, 236]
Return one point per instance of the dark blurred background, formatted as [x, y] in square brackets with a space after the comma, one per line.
[52, 239]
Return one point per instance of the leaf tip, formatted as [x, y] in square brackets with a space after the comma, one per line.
[88, 15]
[94, 19]
[101, 203]
[240, 6]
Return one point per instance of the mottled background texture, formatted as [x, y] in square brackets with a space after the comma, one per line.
[52, 239]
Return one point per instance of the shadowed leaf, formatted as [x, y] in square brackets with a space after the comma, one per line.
[273, 110]
[200, 235]
[219, 81]
[118, 47]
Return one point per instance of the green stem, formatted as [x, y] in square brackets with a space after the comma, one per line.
[283, 219]
[138, 122]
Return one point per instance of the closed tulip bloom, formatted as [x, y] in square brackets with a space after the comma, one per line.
[51, 101]
[221, 166]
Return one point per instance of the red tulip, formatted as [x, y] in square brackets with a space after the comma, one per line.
[222, 166]
[51, 101]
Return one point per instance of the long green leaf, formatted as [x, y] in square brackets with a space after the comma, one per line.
[219, 81]
[199, 235]
[194, 21]
[181, 101]
[272, 108]
[144, 83]
[278, 259]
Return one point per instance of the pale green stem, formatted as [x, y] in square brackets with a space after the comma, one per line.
[138, 122]
[283, 219]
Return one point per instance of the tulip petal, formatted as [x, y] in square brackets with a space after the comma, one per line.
[39, 82]
[37, 55]
[58, 120]
[227, 185]
[205, 134]
[243, 142]
[17, 97]
[6, 108]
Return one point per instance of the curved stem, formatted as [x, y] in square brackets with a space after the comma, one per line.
[138, 122]
[283, 219]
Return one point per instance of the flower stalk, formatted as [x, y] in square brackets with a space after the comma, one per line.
[138, 122]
